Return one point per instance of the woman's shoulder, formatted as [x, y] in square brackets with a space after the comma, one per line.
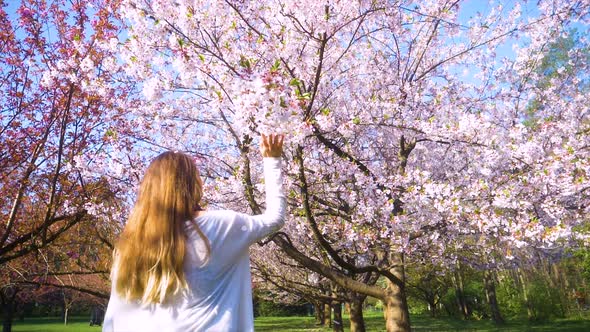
[217, 225]
[216, 214]
[213, 218]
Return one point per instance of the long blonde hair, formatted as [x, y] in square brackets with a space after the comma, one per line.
[149, 256]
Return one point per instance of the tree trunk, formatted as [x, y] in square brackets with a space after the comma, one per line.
[327, 315]
[8, 305]
[490, 288]
[66, 309]
[525, 294]
[397, 317]
[431, 306]
[562, 289]
[319, 313]
[460, 294]
[357, 321]
[395, 305]
[337, 325]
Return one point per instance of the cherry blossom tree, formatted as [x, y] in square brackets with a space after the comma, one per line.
[59, 97]
[61, 91]
[406, 123]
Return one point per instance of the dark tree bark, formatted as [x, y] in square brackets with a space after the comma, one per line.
[357, 321]
[337, 325]
[490, 288]
[8, 303]
[318, 308]
[327, 315]
[431, 306]
[462, 304]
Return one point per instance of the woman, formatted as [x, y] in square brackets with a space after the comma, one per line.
[179, 268]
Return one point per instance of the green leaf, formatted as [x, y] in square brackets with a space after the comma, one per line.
[111, 133]
[244, 62]
[275, 67]
[570, 150]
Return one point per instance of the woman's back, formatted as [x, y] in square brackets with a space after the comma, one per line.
[219, 295]
[221, 290]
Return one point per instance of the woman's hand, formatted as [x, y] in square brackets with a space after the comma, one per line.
[272, 145]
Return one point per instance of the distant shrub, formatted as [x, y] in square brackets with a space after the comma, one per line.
[544, 302]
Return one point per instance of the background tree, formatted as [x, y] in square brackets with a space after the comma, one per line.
[57, 105]
[60, 92]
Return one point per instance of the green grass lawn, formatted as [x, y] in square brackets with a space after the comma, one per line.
[51, 324]
[374, 322]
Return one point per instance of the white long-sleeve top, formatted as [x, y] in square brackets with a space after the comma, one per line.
[219, 294]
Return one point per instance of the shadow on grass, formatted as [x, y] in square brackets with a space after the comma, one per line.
[292, 324]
